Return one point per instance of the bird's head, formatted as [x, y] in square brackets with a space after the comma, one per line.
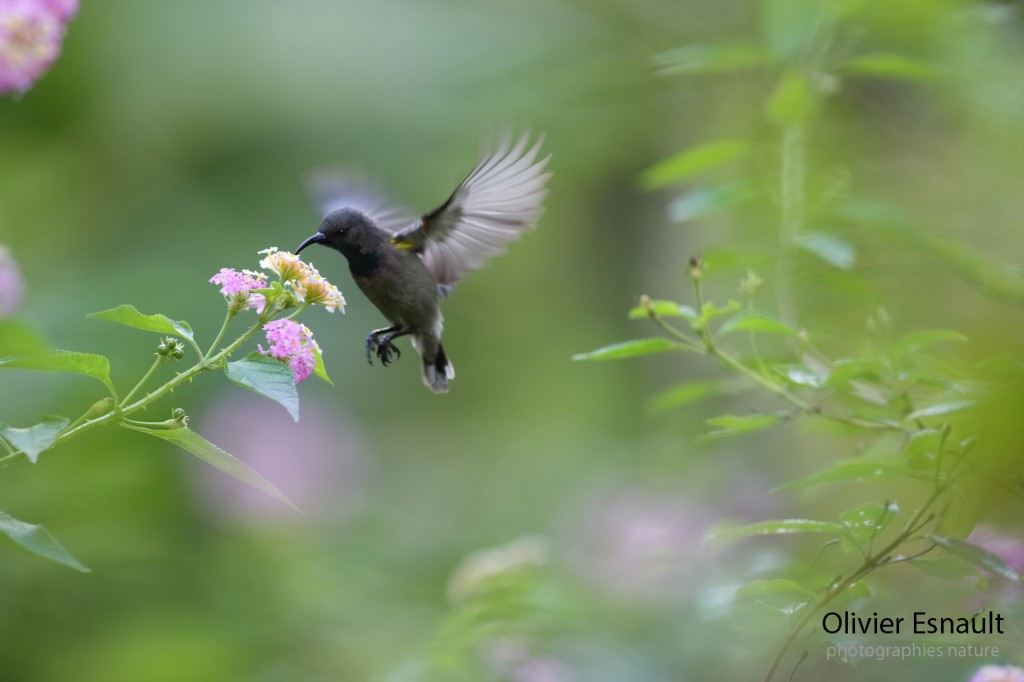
[341, 229]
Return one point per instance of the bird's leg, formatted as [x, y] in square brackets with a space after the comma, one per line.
[385, 347]
[372, 342]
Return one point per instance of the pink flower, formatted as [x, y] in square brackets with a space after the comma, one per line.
[31, 32]
[293, 343]
[11, 287]
[998, 673]
[237, 285]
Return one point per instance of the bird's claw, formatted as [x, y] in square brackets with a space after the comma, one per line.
[384, 350]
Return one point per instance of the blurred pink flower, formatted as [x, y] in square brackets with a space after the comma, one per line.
[318, 463]
[998, 673]
[31, 32]
[11, 286]
[513, 659]
[294, 343]
[639, 544]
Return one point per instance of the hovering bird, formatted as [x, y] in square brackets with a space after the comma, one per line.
[405, 266]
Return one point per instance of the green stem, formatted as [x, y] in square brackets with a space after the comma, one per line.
[220, 335]
[794, 143]
[145, 377]
[870, 563]
[185, 376]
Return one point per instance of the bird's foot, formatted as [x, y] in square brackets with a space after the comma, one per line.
[384, 350]
[371, 347]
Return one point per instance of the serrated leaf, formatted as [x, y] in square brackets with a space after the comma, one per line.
[731, 425]
[95, 366]
[940, 409]
[632, 349]
[780, 585]
[793, 99]
[849, 471]
[922, 339]
[192, 442]
[829, 248]
[34, 439]
[889, 66]
[35, 539]
[662, 309]
[161, 324]
[976, 555]
[779, 527]
[710, 58]
[692, 161]
[267, 376]
[755, 321]
[703, 201]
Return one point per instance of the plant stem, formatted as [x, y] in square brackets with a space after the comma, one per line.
[220, 334]
[187, 375]
[794, 145]
[156, 363]
[870, 564]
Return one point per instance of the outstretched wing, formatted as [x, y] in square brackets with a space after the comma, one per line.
[494, 205]
[333, 188]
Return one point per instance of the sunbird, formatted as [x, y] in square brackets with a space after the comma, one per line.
[406, 266]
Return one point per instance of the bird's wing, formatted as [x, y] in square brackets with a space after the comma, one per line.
[333, 188]
[499, 200]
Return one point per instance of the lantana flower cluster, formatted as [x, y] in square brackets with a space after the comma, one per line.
[298, 283]
[31, 32]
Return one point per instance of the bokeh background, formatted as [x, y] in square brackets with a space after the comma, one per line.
[172, 139]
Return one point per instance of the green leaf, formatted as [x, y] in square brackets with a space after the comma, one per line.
[632, 349]
[95, 366]
[318, 366]
[730, 424]
[662, 309]
[829, 248]
[755, 321]
[889, 66]
[710, 311]
[34, 439]
[703, 201]
[692, 161]
[943, 568]
[710, 58]
[19, 339]
[269, 377]
[915, 341]
[35, 539]
[688, 393]
[851, 369]
[779, 527]
[850, 470]
[189, 440]
[977, 556]
[864, 522]
[793, 100]
[940, 409]
[161, 324]
[799, 375]
[759, 588]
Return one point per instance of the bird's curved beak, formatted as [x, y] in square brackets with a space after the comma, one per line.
[317, 238]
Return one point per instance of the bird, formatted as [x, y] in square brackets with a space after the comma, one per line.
[406, 266]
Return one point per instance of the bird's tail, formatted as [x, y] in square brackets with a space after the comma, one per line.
[437, 368]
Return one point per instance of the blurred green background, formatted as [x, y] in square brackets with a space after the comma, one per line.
[173, 139]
